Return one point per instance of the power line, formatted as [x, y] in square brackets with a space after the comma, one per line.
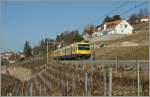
[136, 6]
[102, 16]
[123, 4]
[114, 10]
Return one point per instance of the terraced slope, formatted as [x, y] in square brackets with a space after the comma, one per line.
[135, 46]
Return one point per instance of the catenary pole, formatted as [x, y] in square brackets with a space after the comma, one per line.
[47, 52]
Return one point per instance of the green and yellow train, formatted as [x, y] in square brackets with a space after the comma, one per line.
[73, 51]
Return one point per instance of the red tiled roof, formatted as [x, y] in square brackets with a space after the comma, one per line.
[112, 24]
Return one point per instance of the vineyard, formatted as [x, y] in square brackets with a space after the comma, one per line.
[58, 79]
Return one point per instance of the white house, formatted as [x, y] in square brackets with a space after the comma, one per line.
[119, 27]
[144, 19]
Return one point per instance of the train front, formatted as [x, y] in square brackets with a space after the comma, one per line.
[84, 50]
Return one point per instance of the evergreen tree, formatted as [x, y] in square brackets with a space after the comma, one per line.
[58, 38]
[116, 17]
[42, 43]
[107, 19]
[27, 49]
[46, 41]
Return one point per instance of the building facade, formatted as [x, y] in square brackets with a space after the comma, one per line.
[113, 29]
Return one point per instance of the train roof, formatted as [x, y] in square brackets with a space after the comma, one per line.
[83, 43]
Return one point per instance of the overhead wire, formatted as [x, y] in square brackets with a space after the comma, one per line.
[117, 8]
[108, 13]
[96, 21]
[136, 6]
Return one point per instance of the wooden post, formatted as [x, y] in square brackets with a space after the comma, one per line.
[116, 63]
[22, 88]
[91, 80]
[44, 86]
[74, 87]
[141, 81]
[31, 89]
[110, 81]
[67, 88]
[138, 79]
[28, 88]
[89, 86]
[86, 90]
[39, 90]
[105, 83]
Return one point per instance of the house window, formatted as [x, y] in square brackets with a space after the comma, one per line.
[105, 33]
[125, 25]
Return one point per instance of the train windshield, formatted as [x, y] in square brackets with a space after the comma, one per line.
[83, 47]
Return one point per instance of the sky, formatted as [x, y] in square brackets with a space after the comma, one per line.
[33, 20]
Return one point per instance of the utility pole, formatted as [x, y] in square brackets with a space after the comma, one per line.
[51, 50]
[47, 52]
[94, 43]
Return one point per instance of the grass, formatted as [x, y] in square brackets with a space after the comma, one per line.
[123, 53]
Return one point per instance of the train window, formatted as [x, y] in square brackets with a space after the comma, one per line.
[83, 45]
[84, 48]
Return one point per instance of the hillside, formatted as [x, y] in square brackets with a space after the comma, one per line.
[35, 77]
[128, 47]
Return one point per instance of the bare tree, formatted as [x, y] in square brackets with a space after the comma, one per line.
[89, 29]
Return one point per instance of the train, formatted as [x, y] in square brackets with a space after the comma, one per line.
[75, 51]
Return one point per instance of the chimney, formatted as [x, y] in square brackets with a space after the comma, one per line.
[105, 26]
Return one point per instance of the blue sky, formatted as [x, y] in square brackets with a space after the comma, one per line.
[34, 20]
